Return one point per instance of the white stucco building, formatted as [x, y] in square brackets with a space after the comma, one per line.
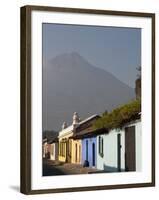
[54, 150]
[120, 149]
[44, 148]
[50, 149]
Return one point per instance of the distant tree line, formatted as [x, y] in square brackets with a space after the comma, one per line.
[50, 134]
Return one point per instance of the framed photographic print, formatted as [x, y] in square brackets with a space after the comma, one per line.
[87, 99]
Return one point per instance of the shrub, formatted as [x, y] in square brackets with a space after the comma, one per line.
[119, 116]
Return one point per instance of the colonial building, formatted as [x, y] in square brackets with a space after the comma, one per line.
[50, 145]
[45, 148]
[86, 134]
[53, 148]
[65, 143]
[70, 146]
[50, 148]
[120, 149]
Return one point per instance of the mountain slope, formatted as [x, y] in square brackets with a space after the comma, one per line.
[70, 83]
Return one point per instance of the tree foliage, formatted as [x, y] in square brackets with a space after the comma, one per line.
[119, 116]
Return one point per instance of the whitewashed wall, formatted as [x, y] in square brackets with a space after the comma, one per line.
[109, 160]
[52, 152]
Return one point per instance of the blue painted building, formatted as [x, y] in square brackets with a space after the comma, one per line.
[89, 151]
[86, 134]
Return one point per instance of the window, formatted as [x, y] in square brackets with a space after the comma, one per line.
[62, 148]
[101, 146]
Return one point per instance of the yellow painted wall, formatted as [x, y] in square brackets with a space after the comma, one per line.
[62, 153]
[63, 157]
[76, 152]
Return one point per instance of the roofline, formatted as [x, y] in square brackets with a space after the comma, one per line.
[91, 134]
[87, 119]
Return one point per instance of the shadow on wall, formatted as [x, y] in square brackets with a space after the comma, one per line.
[111, 169]
[107, 169]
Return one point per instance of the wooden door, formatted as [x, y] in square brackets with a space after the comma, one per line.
[119, 152]
[130, 153]
[93, 154]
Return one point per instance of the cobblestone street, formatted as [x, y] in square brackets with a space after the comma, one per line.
[51, 168]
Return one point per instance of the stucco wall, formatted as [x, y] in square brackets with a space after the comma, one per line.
[45, 149]
[90, 142]
[109, 160]
[54, 151]
[138, 135]
[77, 160]
[61, 138]
[60, 157]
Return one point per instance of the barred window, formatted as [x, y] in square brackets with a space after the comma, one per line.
[101, 146]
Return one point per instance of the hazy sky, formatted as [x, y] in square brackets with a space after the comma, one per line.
[117, 50]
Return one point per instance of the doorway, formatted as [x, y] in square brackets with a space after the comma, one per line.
[93, 154]
[130, 153]
[119, 152]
